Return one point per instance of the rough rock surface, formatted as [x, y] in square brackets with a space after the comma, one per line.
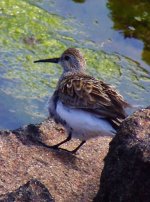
[126, 173]
[69, 178]
[33, 190]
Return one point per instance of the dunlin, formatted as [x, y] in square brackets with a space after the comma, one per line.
[85, 106]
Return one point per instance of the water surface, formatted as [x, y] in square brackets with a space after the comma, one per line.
[113, 36]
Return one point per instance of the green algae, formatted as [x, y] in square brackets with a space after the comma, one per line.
[19, 23]
[30, 33]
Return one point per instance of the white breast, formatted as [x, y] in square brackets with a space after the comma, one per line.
[84, 124]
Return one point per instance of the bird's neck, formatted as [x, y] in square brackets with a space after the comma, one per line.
[73, 71]
[69, 73]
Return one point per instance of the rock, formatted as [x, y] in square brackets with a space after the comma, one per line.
[33, 190]
[126, 173]
[69, 178]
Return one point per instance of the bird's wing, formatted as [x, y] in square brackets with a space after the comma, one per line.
[89, 94]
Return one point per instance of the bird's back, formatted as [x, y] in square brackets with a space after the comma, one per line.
[81, 91]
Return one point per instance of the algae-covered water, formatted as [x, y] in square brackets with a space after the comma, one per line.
[113, 35]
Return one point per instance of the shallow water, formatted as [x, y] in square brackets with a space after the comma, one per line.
[116, 46]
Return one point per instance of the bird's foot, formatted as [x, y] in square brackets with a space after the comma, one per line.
[54, 147]
[48, 146]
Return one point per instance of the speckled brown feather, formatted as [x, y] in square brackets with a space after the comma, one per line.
[87, 93]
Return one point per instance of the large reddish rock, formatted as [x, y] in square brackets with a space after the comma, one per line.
[126, 173]
[69, 178]
[75, 178]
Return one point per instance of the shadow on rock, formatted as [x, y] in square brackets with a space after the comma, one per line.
[31, 135]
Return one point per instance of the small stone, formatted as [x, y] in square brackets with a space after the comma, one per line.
[33, 190]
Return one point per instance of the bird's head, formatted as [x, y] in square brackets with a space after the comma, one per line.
[71, 60]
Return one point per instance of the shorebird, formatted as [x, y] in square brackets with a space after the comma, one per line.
[85, 106]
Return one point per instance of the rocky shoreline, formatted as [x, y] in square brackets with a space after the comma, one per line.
[31, 172]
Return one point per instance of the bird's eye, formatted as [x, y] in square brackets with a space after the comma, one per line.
[66, 57]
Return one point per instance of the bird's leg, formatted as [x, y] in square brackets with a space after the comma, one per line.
[76, 149]
[66, 140]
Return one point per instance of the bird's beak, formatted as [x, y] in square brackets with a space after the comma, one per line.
[52, 60]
